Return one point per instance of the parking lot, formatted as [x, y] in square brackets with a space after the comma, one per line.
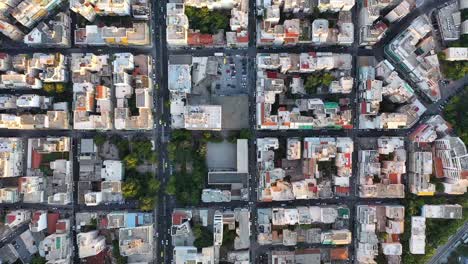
[233, 75]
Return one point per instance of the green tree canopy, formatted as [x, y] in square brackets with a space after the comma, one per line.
[131, 188]
[131, 161]
[99, 139]
[147, 203]
[171, 186]
[207, 21]
[456, 113]
[203, 236]
[36, 259]
[316, 80]
[153, 186]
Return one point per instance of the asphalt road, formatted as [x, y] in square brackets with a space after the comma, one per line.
[444, 251]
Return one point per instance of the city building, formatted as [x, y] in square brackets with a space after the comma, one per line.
[32, 189]
[11, 31]
[90, 244]
[57, 247]
[11, 157]
[9, 195]
[381, 168]
[136, 241]
[235, 177]
[444, 211]
[32, 72]
[53, 34]
[381, 82]
[132, 81]
[92, 104]
[111, 176]
[417, 241]
[29, 12]
[421, 67]
[38, 221]
[322, 171]
[89, 9]
[304, 224]
[451, 164]
[298, 29]
[449, 21]
[189, 254]
[92, 35]
[379, 226]
[17, 217]
[371, 25]
[179, 33]
[456, 54]
[420, 166]
[204, 97]
[290, 114]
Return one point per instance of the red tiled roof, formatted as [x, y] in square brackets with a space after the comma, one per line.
[52, 222]
[36, 216]
[199, 39]
[341, 189]
[263, 40]
[104, 222]
[308, 251]
[243, 39]
[348, 160]
[177, 218]
[439, 168]
[394, 178]
[97, 259]
[464, 174]
[11, 218]
[61, 226]
[363, 107]
[36, 159]
[271, 74]
[339, 253]
[100, 91]
[313, 188]
[290, 40]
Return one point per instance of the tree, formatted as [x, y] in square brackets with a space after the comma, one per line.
[171, 150]
[180, 135]
[245, 134]
[122, 145]
[207, 21]
[327, 79]
[456, 112]
[153, 186]
[312, 83]
[116, 252]
[439, 187]
[131, 161]
[49, 87]
[203, 236]
[171, 186]
[131, 188]
[207, 135]
[316, 80]
[153, 158]
[142, 148]
[36, 259]
[99, 139]
[228, 236]
[147, 203]
[59, 87]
